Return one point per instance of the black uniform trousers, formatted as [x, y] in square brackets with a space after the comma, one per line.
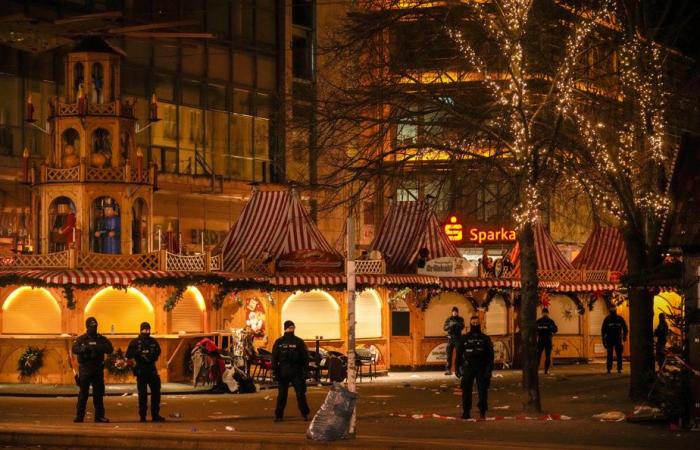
[483, 381]
[660, 354]
[299, 383]
[544, 345]
[88, 376]
[452, 344]
[617, 347]
[148, 378]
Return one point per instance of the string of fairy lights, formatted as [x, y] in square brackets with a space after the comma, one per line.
[505, 23]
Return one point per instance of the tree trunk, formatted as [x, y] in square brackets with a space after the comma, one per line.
[641, 307]
[528, 318]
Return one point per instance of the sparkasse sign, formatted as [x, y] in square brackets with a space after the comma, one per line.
[479, 236]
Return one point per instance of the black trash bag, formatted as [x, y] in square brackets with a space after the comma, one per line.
[332, 421]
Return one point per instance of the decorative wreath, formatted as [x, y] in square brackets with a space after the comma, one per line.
[30, 361]
[117, 364]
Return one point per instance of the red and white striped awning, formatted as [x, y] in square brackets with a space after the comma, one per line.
[308, 279]
[408, 227]
[587, 287]
[273, 222]
[604, 250]
[339, 279]
[548, 255]
[91, 277]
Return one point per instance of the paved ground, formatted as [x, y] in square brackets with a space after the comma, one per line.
[201, 420]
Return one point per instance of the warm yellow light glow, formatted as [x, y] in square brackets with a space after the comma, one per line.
[325, 294]
[20, 291]
[31, 311]
[198, 297]
[129, 291]
[121, 311]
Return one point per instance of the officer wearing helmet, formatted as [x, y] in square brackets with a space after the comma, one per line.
[144, 352]
[91, 349]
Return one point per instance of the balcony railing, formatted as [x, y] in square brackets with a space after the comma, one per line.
[85, 173]
[114, 108]
[370, 266]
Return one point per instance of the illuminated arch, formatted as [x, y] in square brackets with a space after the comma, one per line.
[497, 317]
[563, 311]
[30, 310]
[188, 314]
[440, 309]
[122, 309]
[368, 313]
[315, 313]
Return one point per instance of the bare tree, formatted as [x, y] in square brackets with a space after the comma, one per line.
[453, 89]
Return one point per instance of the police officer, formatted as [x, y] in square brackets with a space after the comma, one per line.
[546, 328]
[453, 327]
[614, 332]
[475, 362]
[290, 364]
[91, 349]
[145, 351]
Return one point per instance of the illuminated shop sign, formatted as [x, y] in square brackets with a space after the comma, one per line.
[456, 232]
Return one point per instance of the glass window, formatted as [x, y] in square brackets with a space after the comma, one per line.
[218, 16]
[241, 101]
[134, 82]
[265, 21]
[266, 73]
[218, 62]
[138, 51]
[165, 56]
[217, 97]
[191, 94]
[165, 87]
[262, 138]
[262, 105]
[217, 140]
[166, 158]
[301, 57]
[242, 19]
[165, 132]
[242, 136]
[191, 138]
[243, 69]
[11, 107]
[302, 13]
[193, 59]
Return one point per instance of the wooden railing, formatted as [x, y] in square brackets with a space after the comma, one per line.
[144, 261]
[370, 266]
[58, 260]
[186, 263]
[216, 262]
[84, 172]
[257, 266]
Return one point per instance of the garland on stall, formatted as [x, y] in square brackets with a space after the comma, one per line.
[30, 361]
[117, 364]
[224, 286]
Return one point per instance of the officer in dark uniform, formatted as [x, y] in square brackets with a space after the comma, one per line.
[475, 362]
[290, 364]
[453, 327]
[91, 349]
[145, 351]
[546, 328]
[614, 332]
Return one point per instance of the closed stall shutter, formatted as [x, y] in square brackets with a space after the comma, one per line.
[121, 311]
[187, 315]
[31, 311]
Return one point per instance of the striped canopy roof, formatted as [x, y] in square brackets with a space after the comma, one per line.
[604, 250]
[548, 255]
[408, 227]
[273, 222]
[57, 277]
